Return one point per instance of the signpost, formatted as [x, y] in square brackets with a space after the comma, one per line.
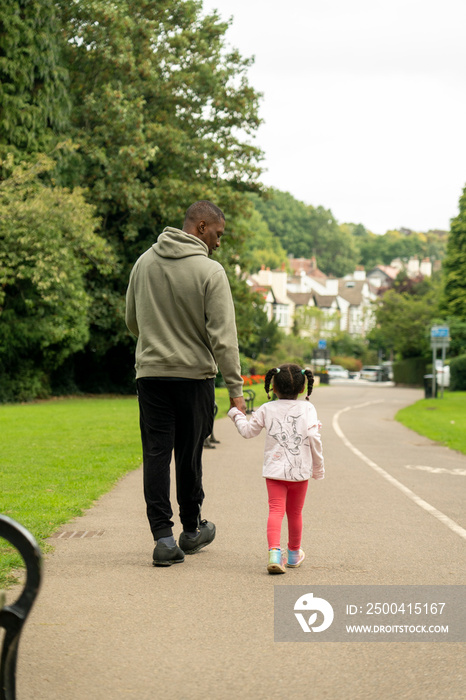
[320, 355]
[439, 340]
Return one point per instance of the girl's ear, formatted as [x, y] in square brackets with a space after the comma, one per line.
[302, 390]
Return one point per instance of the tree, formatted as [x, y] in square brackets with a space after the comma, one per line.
[288, 219]
[48, 241]
[157, 108]
[454, 265]
[33, 82]
[304, 231]
[263, 336]
[382, 249]
[336, 250]
[261, 247]
[315, 324]
[162, 116]
[404, 321]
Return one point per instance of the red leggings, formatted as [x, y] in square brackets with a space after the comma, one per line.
[285, 496]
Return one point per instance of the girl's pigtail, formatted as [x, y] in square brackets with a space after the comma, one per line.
[268, 378]
[310, 382]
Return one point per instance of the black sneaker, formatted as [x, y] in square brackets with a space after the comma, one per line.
[166, 556]
[206, 534]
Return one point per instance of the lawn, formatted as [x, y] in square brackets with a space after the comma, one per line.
[442, 420]
[59, 456]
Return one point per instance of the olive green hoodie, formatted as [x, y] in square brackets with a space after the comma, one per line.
[180, 308]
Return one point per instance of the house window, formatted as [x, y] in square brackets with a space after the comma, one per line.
[281, 315]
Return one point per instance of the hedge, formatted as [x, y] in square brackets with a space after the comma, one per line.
[458, 373]
[410, 371]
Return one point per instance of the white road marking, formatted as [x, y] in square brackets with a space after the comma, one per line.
[457, 529]
[436, 470]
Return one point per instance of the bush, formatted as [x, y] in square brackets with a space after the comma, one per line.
[410, 371]
[458, 373]
[26, 384]
[48, 245]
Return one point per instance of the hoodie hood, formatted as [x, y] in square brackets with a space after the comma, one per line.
[174, 243]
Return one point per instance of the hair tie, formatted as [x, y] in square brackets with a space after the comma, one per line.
[277, 369]
[303, 371]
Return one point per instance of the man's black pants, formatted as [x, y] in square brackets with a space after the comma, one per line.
[174, 415]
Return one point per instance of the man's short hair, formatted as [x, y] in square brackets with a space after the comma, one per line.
[203, 210]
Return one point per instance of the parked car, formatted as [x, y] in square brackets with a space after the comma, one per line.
[337, 372]
[442, 374]
[374, 373]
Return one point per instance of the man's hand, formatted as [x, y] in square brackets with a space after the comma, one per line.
[238, 402]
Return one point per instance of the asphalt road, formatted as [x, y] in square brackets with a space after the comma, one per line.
[108, 625]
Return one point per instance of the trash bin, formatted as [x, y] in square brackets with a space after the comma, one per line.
[324, 378]
[428, 381]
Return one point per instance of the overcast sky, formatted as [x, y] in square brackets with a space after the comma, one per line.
[364, 104]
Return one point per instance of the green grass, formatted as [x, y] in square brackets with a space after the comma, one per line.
[57, 457]
[222, 400]
[442, 420]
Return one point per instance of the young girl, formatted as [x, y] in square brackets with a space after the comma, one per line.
[293, 453]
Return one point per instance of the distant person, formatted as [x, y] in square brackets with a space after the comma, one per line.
[292, 455]
[180, 308]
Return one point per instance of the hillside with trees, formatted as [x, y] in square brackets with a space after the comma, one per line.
[304, 231]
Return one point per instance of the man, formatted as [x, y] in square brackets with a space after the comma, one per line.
[180, 308]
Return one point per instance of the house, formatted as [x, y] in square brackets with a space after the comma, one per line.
[306, 277]
[318, 303]
[317, 315]
[309, 267]
[382, 275]
[356, 297]
[272, 284]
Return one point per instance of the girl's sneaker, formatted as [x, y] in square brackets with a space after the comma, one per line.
[275, 565]
[295, 558]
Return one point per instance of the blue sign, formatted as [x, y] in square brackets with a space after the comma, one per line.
[440, 332]
[322, 344]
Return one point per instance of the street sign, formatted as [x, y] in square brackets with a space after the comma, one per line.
[322, 344]
[439, 332]
[439, 340]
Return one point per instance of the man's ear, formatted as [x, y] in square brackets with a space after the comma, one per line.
[201, 227]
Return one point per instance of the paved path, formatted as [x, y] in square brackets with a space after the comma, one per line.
[108, 625]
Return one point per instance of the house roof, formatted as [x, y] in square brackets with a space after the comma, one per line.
[300, 298]
[308, 266]
[387, 270]
[353, 293]
[324, 302]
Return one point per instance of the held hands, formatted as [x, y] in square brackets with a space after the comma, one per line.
[239, 403]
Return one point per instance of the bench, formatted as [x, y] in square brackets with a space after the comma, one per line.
[13, 617]
[249, 396]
